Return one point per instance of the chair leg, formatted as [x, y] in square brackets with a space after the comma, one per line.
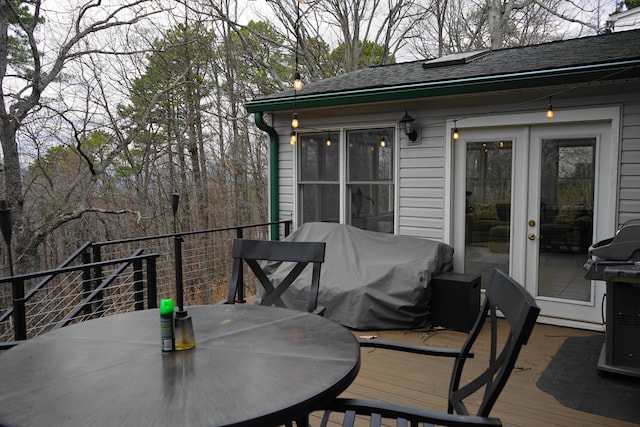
[303, 422]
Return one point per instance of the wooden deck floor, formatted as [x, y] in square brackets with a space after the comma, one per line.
[422, 382]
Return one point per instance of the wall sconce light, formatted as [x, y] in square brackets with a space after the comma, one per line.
[408, 128]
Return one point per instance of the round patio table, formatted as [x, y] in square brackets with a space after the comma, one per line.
[252, 366]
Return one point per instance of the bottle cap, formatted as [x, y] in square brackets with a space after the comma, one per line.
[166, 306]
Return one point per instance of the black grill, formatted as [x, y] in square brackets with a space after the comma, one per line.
[617, 260]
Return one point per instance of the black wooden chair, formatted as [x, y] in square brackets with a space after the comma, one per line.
[300, 253]
[503, 296]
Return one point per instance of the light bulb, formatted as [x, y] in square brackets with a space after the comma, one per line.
[456, 134]
[294, 121]
[549, 110]
[293, 138]
[383, 143]
[297, 81]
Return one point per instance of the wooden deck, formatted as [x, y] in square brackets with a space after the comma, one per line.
[422, 382]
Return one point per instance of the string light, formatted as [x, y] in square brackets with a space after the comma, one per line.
[549, 110]
[383, 142]
[456, 134]
[550, 113]
[297, 81]
[328, 141]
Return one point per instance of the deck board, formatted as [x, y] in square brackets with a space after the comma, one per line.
[422, 381]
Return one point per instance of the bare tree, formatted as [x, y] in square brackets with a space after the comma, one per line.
[470, 25]
[29, 69]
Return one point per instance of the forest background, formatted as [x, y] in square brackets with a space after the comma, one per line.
[110, 106]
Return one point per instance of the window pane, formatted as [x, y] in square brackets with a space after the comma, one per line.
[488, 210]
[566, 217]
[320, 202]
[319, 158]
[371, 154]
[372, 207]
[370, 187]
[319, 193]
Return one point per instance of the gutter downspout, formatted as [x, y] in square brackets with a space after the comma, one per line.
[274, 197]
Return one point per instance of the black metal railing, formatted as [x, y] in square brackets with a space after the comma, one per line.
[18, 311]
[103, 278]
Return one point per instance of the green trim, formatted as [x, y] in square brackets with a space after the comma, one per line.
[509, 81]
[274, 184]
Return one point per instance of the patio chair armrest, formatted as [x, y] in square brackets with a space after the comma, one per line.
[409, 348]
[387, 410]
[320, 310]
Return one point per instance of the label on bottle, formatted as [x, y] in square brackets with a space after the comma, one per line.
[166, 332]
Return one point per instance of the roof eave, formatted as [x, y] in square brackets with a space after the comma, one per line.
[522, 80]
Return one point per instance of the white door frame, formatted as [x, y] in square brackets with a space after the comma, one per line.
[608, 160]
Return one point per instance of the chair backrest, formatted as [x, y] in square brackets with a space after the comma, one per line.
[299, 253]
[505, 297]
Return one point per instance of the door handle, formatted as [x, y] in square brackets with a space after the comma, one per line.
[531, 236]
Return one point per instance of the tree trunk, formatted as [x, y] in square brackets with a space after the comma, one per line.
[495, 17]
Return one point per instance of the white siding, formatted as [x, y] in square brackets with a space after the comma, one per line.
[421, 168]
[287, 178]
[629, 196]
[421, 185]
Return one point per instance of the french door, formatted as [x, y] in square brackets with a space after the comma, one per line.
[532, 201]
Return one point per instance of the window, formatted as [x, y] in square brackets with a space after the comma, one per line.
[369, 184]
[370, 179]
[319, 192]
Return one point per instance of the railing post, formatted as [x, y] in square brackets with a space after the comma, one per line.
[152, 286]
[240, 290]
[177, 240]
[86, 281]
[97, 278]
[138, 287]
[19, 312]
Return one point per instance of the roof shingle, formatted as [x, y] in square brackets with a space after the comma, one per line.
[602, 49]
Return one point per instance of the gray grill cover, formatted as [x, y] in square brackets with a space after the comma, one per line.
[369, 280]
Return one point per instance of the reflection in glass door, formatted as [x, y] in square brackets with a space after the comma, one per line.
[566, 217]
[488, 207]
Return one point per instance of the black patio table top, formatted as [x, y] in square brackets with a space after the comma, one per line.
[252, 365]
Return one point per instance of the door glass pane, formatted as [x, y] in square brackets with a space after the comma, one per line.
[566, 217]
[488, 207]
[318, 178]
[370, 185]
